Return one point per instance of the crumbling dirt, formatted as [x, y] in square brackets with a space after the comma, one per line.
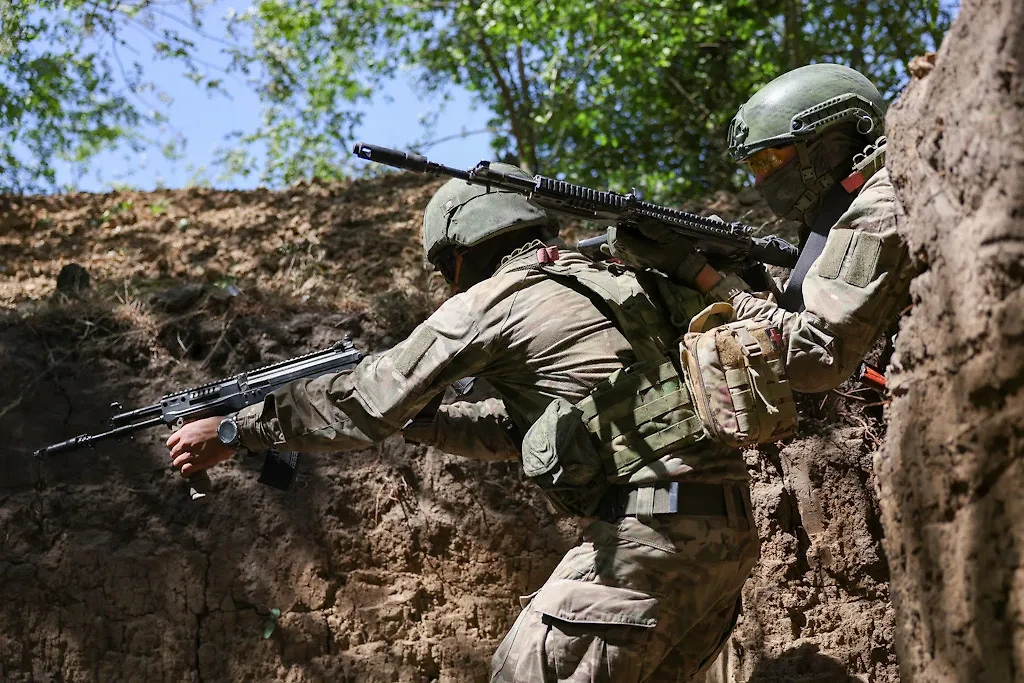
[952, 471]
[396, 563]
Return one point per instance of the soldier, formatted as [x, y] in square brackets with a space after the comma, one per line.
[582, 356]
[801, 136]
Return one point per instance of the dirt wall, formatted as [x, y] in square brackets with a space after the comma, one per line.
[952, 471]
[397, 563]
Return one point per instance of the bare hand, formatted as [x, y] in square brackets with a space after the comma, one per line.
[195, 447]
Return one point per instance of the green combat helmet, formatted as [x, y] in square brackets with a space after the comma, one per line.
[461, 216]
[802, 107]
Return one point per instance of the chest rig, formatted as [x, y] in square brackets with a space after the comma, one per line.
[635, 415]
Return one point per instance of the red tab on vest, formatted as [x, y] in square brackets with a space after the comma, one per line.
[853, 181]
[547, 255]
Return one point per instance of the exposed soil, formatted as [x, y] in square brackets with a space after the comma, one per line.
[952, 470]
[396, 563]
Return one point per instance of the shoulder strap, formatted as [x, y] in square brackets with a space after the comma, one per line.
[833, 205]
[644, 344]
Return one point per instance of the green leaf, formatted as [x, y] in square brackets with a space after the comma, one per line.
[272, 619]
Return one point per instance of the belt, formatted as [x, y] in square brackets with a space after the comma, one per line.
[731, 501]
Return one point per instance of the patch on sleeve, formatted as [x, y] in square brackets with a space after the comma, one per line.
[863, 260]
[413, 350]
[831, 260]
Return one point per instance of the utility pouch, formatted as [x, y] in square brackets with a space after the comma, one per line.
[738, 381]
[560, 457]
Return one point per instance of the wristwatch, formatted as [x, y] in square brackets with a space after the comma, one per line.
[228, 434]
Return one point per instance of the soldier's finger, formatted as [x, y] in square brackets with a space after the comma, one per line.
[179, 448]
[174, 438]
[183, 458]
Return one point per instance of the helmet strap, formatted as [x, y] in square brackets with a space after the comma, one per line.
[455, 289]
[815, 186]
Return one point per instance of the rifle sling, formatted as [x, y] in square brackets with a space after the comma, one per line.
[833, 205]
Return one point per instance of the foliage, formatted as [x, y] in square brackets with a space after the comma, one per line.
[622, 93]
[66, 90]
[625, 92]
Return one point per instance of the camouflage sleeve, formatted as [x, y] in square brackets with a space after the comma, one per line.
[471, 429]
[851, 293]
[352, 410]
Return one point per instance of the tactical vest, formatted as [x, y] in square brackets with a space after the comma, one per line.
[632, 417]
[642, 412]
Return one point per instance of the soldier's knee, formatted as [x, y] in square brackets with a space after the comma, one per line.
[578, 631]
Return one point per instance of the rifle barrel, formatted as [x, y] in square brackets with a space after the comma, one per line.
[734, 241]
[84, 440]
[408, 161]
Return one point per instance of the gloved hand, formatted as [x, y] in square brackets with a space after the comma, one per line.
[653, 246]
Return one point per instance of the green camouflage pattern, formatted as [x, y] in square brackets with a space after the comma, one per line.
[852, 292]
[530, 337]
[633, 602]
[470, 429]
[800, 104]
[464, 215]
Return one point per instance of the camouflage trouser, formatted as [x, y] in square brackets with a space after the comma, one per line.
[633, 602]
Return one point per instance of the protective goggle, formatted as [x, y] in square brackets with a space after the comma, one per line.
[762, 164]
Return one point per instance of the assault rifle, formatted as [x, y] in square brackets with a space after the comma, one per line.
[223, 397]
[731, 243]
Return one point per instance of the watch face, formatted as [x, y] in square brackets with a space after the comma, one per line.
[227, 432]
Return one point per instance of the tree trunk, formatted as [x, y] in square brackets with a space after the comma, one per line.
[951, 473]
[792, 32]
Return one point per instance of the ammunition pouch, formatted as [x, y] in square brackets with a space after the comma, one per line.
[639, 414]
[560, 457]
[737, 377]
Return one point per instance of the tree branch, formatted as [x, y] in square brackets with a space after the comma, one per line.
[456, 136]
[506, 95]
[524, 91]
[705, 113]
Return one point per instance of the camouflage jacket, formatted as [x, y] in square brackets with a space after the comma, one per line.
[532, 338]
[851, 292]
[473, 429]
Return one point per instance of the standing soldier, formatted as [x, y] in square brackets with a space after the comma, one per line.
[585, 359]
[813, 140]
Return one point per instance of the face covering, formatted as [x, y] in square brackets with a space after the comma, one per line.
[830, 154]
[783, 188]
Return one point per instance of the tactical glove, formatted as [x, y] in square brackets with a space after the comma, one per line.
[652, 246]
[641, 246]
[649, 245]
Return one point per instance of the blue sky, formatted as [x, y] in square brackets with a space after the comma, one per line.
[203, 120]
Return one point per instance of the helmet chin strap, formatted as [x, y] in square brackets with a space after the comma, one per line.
[815, 186]
[455, 289]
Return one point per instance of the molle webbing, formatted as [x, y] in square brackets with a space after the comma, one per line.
[739, 384]
[642, 412]
[639, 414]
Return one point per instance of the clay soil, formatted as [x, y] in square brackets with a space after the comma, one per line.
[952, 470]
[396, 563]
